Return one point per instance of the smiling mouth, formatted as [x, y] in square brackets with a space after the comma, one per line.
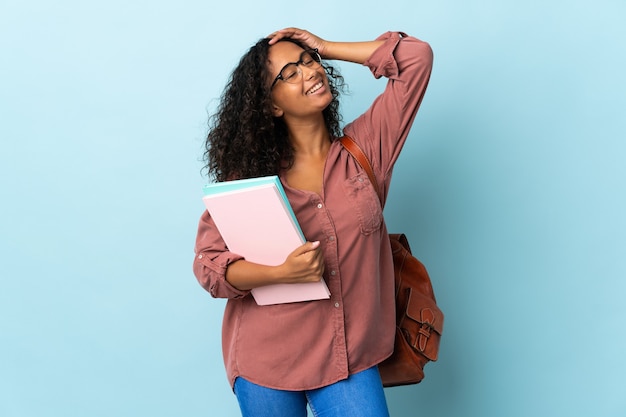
[315, 88]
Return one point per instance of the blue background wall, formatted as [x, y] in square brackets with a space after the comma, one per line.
[511, 190]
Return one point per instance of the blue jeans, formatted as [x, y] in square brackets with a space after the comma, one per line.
[361, 395]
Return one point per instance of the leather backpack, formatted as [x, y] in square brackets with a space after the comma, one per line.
[419, 321]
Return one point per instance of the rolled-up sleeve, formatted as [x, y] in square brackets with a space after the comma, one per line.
[211, 260]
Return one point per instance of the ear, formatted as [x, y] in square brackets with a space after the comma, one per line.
[277, 111]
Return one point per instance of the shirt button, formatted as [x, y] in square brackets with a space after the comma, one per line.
[199, 256]
[333, 272]
[360, 179]
[319, 205]
[332, 238]
[337, 305]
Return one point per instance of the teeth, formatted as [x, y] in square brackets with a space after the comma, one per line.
[315, 88]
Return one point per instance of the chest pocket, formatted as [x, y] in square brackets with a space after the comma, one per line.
[364, 202]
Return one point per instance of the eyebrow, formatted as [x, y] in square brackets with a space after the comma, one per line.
[291, 62]
[296, 61]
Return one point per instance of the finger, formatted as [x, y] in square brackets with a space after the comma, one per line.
[314, 245]
[284, 33]
[305, 248]
[287, 31]
[278, 35]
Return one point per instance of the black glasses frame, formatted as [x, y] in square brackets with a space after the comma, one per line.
[311, 52]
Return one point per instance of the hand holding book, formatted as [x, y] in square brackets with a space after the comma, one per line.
[305, 264]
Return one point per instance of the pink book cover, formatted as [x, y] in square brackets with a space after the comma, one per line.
[257, 223]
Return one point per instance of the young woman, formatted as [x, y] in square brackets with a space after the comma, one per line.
[279, 116]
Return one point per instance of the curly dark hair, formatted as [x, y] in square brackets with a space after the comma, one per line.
[245, 139]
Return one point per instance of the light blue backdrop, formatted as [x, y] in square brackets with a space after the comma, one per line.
[511, 190]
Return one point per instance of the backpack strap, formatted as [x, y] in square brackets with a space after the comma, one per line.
[355, 150]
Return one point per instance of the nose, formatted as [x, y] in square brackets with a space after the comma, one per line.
[307, 72]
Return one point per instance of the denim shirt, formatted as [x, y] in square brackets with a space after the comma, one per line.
[308, 345]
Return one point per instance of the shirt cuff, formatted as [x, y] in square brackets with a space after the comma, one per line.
[219, 287]
[382, 62]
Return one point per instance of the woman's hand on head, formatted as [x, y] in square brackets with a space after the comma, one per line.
[308, 39]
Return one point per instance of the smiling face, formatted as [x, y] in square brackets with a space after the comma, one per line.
[304, 95]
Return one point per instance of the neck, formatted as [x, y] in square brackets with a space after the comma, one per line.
[309, 139]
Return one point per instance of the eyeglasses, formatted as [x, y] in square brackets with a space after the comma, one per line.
[291, 73]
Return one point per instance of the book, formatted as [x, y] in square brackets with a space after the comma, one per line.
[256, 221]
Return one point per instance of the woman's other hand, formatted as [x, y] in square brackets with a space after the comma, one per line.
[304, 264]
